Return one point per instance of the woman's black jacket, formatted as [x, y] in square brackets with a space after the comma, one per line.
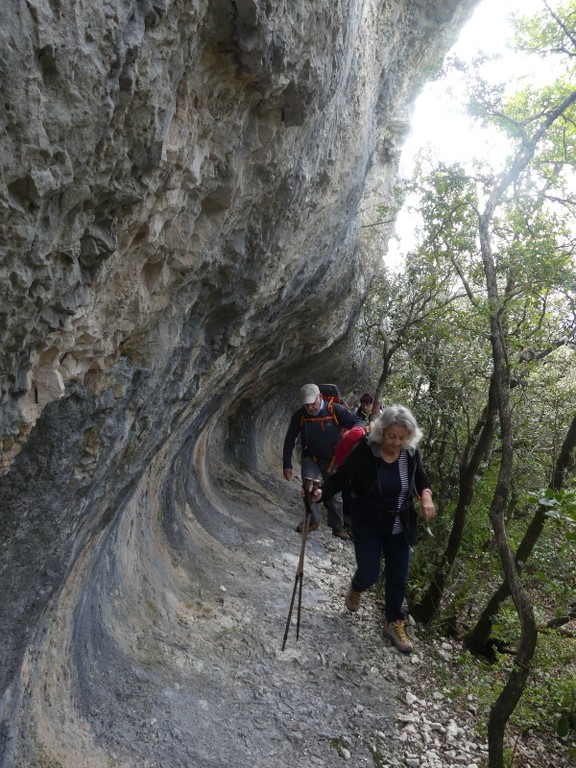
[360, 472]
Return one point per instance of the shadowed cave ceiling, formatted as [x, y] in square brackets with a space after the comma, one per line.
[182, 187]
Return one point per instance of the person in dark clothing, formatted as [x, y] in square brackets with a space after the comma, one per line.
[318, 426]
[343, 448]
[364, 410]
[386, 475]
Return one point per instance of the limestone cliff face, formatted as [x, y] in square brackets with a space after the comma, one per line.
[181, 185]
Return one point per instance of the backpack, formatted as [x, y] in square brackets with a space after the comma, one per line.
[348, 441]
[331, 394]
[329, 401]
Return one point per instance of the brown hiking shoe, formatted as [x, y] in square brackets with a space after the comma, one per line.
[396, 632]
[341, 533]
[352, 601]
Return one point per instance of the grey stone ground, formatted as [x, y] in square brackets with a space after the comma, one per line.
[342, 693]
[178, 660]
[339, 695]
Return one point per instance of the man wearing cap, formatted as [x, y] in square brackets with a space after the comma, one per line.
[318, 425]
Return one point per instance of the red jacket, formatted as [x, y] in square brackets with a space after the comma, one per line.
[348, 441]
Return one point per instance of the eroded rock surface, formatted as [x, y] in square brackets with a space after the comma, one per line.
[181, 189]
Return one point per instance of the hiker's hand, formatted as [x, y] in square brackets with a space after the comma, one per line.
[287, 474]
[316, 495]
[427, 505]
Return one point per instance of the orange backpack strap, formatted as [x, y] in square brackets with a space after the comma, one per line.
[332, 412]
[329, 408]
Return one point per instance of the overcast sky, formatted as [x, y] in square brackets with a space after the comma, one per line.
[439, 117]
[440, 121]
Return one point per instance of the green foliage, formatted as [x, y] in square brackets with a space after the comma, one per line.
[548, 704]
[428, 333]
[561, 508]
[542, 34]
[551, 692]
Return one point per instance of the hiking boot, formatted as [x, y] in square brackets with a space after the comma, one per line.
[311, 527]
[396, 632]
[352, 601]
[341, 533]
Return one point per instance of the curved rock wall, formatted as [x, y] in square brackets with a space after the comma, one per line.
[181, 187]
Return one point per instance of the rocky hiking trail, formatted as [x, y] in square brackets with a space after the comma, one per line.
[214, 688]
[341, 693]
[362, 700]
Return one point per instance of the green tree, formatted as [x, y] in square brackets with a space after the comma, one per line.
[510, 210]
[496, 258]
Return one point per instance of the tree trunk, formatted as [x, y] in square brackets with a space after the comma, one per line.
[506, 702]
[476, 451]
[508, 699]
[477, 640]
[383, 378]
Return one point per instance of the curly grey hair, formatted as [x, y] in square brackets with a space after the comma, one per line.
[401, 416]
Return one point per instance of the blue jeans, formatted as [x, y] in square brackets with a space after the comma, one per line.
[370, 546]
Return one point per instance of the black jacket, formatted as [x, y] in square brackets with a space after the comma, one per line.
[319, 434]
[360, 472]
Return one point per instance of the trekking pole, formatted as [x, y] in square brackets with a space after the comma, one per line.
[308, 485]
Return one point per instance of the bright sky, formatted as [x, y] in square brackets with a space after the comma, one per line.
[439, 119]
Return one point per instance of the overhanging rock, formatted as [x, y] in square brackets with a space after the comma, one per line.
[181, 194]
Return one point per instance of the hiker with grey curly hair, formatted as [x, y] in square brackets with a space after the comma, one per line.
[385, 475]
[397, 415]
